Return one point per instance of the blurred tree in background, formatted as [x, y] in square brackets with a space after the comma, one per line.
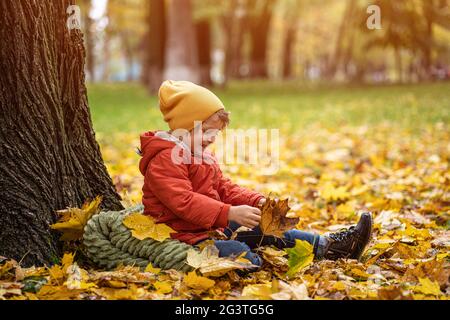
[213, 41]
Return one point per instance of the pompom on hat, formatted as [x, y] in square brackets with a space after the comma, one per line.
[183, 102]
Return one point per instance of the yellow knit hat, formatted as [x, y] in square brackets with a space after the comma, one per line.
[183, 102]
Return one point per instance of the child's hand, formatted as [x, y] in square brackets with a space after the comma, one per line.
[261, 202]
[246, 216]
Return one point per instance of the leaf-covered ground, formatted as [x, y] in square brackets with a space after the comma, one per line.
[329, 175]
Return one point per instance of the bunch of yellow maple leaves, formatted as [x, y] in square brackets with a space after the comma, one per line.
[329, 175]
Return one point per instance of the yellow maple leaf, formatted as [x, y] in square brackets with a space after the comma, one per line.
[346, 209]
[143, 227]
[192, 280]
[73, 220]
[67, 260]
[152, 269]
[132, 293]
[162, 287]
[360, 273]
[339, 285]
[49, 292]
[274, 256]
[442, 256]
[77, 278]
[261, 291]
[421, 234]
[330, 193]
[274, 219]
[56, 273]
[428, 287]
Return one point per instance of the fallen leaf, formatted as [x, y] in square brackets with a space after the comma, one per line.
[261, 291]
[217, 235]
[152, 269]
[131, 293]
[330, 193]
[300, 256]
[73, 220]
[143, 226]
[236, 232]
[77, 278]
[163, 287]
[273, 217]
[428, 287]
[210, 264]
[194, 281]
[292, 291]
[339, 285]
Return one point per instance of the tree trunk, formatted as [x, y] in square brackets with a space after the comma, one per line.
[181, 54]
[398, 63]
[427, 52]
[345, 26]
[441, 14]
[203, 30]
[106, 56]
[89, 36]
[49, 158]
[234, 28]
[107, 48]
[288, 44]
[259, 34]
[155, 46]
[128, 54]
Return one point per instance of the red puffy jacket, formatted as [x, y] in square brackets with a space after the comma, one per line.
[190, 198]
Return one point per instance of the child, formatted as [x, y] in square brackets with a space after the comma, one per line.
[185, 189]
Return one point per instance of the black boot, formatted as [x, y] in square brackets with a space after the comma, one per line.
[350, 243]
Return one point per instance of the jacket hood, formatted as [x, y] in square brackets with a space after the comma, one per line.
[151, 145]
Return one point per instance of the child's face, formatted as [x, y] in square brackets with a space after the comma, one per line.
[209, 132]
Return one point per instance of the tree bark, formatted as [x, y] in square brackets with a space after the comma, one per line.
[49, 158]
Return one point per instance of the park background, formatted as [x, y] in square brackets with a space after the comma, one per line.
[363, 116]
[295, 65]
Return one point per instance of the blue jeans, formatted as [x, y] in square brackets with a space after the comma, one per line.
[247, 240]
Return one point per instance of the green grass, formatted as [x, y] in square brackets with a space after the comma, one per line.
[288, 106]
